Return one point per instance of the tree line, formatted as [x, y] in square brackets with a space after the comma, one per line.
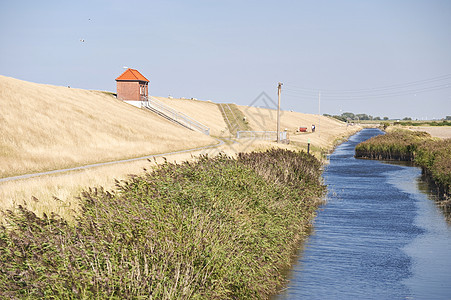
[349, 116]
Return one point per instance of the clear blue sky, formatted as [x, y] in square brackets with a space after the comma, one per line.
[384, 58]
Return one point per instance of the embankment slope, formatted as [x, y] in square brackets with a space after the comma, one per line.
[46, 127]
[205, 112]
[328, 130]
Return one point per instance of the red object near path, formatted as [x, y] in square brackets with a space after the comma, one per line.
[303, 129]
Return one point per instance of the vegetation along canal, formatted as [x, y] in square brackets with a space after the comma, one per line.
[380, 236]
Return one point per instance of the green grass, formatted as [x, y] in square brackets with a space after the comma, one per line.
[234, 118]
[217, 228]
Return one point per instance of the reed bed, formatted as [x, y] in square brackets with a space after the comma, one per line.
[432, 155]
[215, 228]
[398, 144]
[435, 159]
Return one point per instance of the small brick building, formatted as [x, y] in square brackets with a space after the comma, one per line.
[132, 86]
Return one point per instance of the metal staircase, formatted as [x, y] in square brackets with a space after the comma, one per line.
[174, 116]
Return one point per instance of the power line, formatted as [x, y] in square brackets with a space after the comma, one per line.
[410, 88]
[369, 95]
[446, 77]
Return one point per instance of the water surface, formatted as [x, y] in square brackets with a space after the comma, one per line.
[378, 237]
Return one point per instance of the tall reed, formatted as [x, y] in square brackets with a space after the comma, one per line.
[432, 155]
[215, 228]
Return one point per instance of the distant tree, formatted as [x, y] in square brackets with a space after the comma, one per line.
[363, 116]
[341, 118]
[338, 117]
[448, 118]
[347, 115]
[407, 119]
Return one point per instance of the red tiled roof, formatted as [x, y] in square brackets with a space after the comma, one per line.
[132, 74]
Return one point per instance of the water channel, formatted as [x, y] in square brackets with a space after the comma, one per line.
[380, 236]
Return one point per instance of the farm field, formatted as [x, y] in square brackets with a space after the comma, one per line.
[443, 132]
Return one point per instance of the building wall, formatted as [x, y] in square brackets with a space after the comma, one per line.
[128, 90]
[132, 90]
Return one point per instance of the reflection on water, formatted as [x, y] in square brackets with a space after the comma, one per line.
[431, 251]
[378, 236]
[442, 201]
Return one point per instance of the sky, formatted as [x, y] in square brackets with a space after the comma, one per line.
[382, 58]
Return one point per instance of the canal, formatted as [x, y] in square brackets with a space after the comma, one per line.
[379, 236]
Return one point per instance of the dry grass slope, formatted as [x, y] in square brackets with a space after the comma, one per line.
[262, 119]
[46, 127]
[205, 112]
[328, 130]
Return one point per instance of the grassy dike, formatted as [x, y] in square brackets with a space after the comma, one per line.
[432, 155]
[215, 228]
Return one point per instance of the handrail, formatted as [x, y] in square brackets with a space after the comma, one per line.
[177, 116]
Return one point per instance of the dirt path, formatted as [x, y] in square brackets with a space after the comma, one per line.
[26, 176]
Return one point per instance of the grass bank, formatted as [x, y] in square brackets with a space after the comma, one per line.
[432, 155]
[214, 228]
[68, 127]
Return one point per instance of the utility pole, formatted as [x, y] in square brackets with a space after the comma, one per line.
[319, 113]
[279, 90]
